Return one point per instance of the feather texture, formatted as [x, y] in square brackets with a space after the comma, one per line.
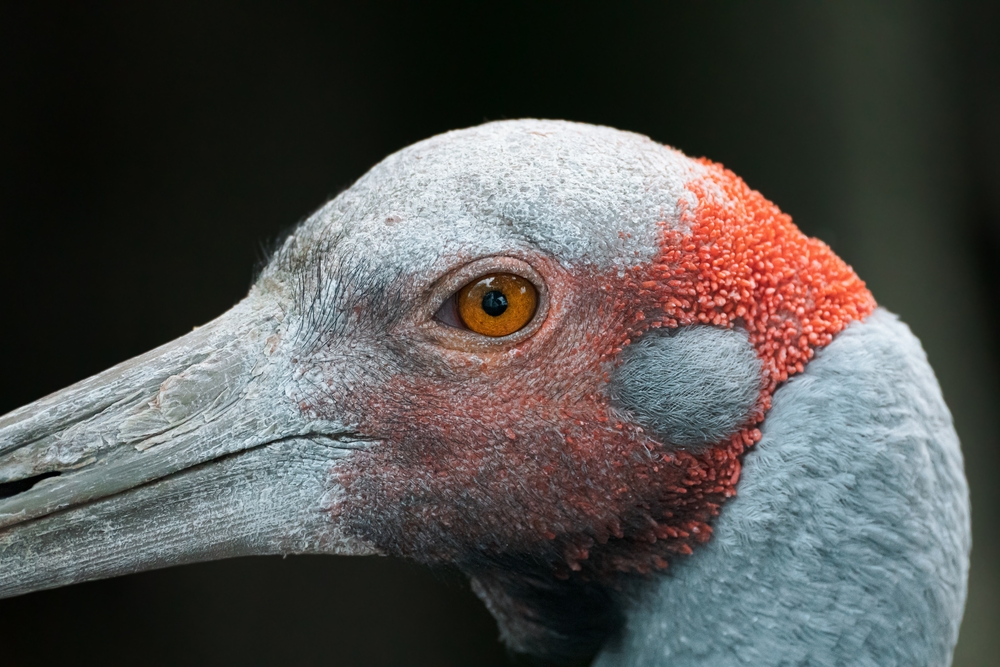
[848, 543]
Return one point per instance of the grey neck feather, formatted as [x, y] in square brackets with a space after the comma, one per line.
[848, 543]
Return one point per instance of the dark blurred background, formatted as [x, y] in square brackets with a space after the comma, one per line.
[148, 150]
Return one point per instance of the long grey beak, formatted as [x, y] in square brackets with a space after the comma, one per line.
[190, 452]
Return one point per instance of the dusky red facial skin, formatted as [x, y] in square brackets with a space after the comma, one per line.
[523, 455]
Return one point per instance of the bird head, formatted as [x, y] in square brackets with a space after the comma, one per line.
[534, 349]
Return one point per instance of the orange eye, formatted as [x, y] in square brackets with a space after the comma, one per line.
[497, 304]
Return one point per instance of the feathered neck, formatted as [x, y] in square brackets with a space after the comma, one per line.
[848, 542]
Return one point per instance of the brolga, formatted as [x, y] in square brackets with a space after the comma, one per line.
[652, 421]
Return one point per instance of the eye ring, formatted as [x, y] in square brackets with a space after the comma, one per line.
[445, 326]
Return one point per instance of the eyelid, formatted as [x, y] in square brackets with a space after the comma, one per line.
[440, 330]
[448, 313]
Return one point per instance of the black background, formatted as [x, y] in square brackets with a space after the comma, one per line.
[148, 150]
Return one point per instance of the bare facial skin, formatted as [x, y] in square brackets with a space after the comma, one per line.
[347, 406]
[124, 471]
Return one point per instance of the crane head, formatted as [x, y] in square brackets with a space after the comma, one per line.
[529, 347]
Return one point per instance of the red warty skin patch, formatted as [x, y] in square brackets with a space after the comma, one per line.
[522, 456]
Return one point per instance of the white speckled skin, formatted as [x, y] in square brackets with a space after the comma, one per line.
[582, 194]
[848, 543]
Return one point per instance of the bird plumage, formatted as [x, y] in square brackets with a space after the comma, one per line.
[707, 446]
[848, 541]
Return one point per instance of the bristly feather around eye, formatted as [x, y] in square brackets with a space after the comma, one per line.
[332, 292]
[267, 249]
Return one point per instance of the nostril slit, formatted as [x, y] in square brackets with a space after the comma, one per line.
[8, 489]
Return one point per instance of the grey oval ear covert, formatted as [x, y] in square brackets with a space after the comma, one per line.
[689, 387]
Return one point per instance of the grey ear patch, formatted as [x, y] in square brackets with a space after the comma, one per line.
[688, 387]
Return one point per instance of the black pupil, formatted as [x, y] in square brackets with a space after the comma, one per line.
[494, 303]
